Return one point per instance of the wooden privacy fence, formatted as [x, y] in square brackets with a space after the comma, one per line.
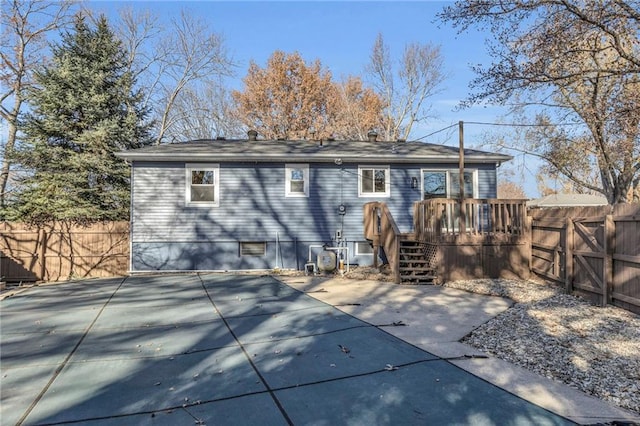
[63, 251]
[593, 251]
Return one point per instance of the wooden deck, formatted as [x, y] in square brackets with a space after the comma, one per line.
[480, 221]
[476, 239]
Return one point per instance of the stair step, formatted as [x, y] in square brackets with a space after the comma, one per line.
[413, 262]
[412, 269]
[412, 259]
[420, 280]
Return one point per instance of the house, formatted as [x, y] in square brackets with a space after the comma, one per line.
[263, 204]
[568, 200]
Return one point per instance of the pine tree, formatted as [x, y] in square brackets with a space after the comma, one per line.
[84, 109]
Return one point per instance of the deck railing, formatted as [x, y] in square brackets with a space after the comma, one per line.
[382, 230]
[442, 220]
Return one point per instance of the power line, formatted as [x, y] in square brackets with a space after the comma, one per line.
[437, 131]
[484, 123]
[520, 124]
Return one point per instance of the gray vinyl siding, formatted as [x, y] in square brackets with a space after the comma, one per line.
[169, 235]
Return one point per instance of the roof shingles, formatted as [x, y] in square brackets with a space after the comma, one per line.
[308, 151]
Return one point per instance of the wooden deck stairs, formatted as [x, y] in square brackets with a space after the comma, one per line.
[415, 263]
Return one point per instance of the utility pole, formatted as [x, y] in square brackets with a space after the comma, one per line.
[463, 209]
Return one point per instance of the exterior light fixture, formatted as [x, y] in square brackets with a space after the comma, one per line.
[414, 182]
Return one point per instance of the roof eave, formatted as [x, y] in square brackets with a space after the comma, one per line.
[132, 156]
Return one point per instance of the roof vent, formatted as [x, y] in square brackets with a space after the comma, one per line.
[401, 140]
[221, 138]
[372, 135]
[253, 135]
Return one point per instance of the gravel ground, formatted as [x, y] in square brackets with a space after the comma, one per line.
[563, 337]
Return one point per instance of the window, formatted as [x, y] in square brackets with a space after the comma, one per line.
[296, 180]
[363, 247]
[469, 187]
[374, 182]
[202, 185]
[446, 184]
[434, 184]
[253, 248]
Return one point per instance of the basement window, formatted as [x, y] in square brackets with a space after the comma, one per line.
[253, 248]
[364, 248]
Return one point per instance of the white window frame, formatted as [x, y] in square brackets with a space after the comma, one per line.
[474, 176]
[387, 182]
[189, 167]
[287, 180]
[357, 246]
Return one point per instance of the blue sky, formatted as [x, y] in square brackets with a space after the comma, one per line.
[341, 34]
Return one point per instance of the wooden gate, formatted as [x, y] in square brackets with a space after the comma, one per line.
[548, 248]
[589, 246]
[593, 251]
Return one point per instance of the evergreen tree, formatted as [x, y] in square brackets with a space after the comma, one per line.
[84, 109]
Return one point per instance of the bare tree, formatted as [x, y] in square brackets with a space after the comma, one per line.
[138, 32]
[406, 86]
[568, 61]
[26, 24]
[204, 111]
[168, 61]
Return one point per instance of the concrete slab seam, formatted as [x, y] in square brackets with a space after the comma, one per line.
[59, 369]
[437, 358]
[246, 354]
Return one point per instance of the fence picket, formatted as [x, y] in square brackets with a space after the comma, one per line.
[62, 251]
[609, 268]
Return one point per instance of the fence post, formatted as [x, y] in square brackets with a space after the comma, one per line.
[528, 235]
[568, 255]
[42, 253]
[607, 272]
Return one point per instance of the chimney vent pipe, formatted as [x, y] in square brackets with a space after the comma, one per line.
[372, 135]
[253, 135]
